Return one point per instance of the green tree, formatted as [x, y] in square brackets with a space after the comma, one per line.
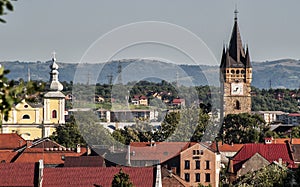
[68, 134]
[10, 93]
[243, 128]
[268, 176]
[4, 6]
[121, 179]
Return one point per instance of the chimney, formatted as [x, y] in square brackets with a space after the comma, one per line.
[158, 181]
[41, 173]
[78, 148]
[128, 153]
[28, 143]
[174, 170]
[88, 150]
[280, 161]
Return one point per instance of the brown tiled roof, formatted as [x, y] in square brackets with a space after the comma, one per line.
[11, 141]
[84, 161]
[17, 174]
[162, 151]
[46, 143]
[169, 179]
[50, 157]
[98, 176]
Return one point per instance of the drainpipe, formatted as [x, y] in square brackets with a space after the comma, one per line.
[41, 173]
[158, 181]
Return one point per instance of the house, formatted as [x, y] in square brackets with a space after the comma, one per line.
[192, 162]
[270, 116]
[37, 120]
[252, 157]
[99, 99]
[199, 164]
[139, 100]
[178, 102]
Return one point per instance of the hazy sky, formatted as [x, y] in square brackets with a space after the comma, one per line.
[271, 28]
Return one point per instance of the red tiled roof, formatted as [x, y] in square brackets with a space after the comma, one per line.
[49, 157]
[88, 176]
[162, 151]
[11, 141]
[46, 143]
[177, 101]
[84, 161]
[283, 140]
[271, 152]
[17, 174]
[294, 114]
[7, 156]
[227, 147]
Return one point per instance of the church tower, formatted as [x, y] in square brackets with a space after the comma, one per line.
[235, 75]
[54, 100]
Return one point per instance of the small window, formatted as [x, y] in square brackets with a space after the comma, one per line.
[243, 71]
[232, 71]
[237, 71]
[207, 177]
[197, 176]
[26, 116]
[187, 177]
[25, 106]
[54, 114]
[197, 164]
[198, 152]
[194, 152]
[207, 164]
[237, 105]
[201, 152]
[186, 164]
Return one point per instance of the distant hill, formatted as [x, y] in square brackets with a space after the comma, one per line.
[283, 73]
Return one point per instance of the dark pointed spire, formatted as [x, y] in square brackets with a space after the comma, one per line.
[235, 45]
[223, 60]
[248, 62]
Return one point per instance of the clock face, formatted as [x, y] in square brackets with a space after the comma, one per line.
[237, 89]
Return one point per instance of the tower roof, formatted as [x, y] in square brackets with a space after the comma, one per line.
[55, 85]
[236, 56]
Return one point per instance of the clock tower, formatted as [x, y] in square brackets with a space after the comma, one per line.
[235, 75]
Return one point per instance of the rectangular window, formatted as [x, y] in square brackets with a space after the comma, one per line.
[194, 152]
[207, 177]
[201, 152]
[187, 177]
[197, 176]
[207, 164]
[197, 164]
[186, 164]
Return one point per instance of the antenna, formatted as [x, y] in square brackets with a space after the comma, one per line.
[110, 77]
[28, 74]
[119, 73]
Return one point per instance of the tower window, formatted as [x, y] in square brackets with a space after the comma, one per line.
[237, 71]
[54, 114]
[26, 116]
[232, 71]
[237, 105]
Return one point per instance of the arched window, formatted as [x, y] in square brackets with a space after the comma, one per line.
[237, 105]
[54, 114]
[26, 116]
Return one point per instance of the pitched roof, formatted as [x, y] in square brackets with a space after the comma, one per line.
[7, 156]
[170, 180]
[49, 156]
[271, 152]
[97, 176]
[84, 161]
[11, 141]
[226, 147]
[17, 174]
[161, 151]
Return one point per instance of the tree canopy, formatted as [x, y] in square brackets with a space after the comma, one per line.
[121, 179]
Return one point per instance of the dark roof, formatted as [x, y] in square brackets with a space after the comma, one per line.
[11, 141]
[96, 176]
[235, 55]
[17, 174]
[84, 161]
[46, 143]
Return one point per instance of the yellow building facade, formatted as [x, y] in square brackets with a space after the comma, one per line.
[38, 120]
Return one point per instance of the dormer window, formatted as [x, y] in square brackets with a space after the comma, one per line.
[26, 116]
